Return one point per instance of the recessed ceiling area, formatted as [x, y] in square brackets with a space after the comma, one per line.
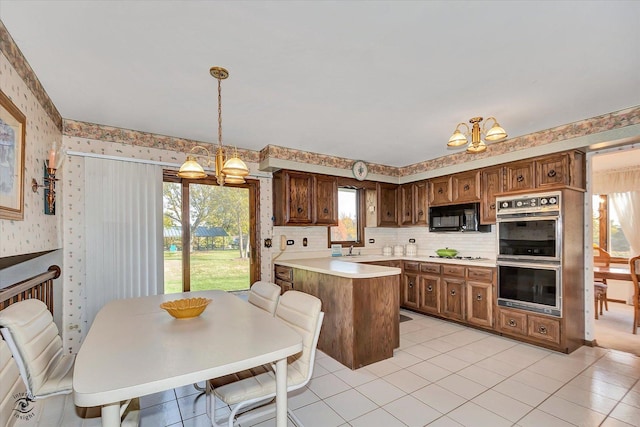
[386, 82]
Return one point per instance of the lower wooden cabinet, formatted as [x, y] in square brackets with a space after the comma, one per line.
[410, 293]
[480, 303]
[531, 326]
[453, 301]
[283, 278]
[429, 293]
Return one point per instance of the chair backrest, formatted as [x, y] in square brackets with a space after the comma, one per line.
[634, 268]
[33, 339]
[302, 313]
[601, 258]
[12, 390]
[265, 295]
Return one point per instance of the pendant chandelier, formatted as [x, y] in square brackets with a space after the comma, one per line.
[230, 171]
[477, 145]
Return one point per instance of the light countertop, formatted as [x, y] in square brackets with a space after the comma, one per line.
[353, 267]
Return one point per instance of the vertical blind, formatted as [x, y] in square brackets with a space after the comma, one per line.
[123, 232]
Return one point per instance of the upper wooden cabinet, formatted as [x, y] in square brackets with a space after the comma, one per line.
[413, 203]
[466, 187]
[301, 198]
[519, 176]
[491, 183]
[547, 172]
[387, 204]
[440, 191]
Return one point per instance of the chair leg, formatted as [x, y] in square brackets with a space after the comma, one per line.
[595, 305]
[606, 301]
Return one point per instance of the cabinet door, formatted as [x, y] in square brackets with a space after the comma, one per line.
[466, 187]
[326, 200]
[453, 300]
[430, 294]
[519, 176]
[552, 171]
[544, 328]
[491, 183]
[298, 188]
[480, 303]
[440, 191]
[406, 204]
[387, 204]
[421, 194]
[410, 292]
[512, 322]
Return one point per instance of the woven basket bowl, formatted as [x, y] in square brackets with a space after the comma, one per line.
[186, 308]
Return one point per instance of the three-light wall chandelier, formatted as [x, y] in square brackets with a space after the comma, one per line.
[477, 145]
[229, 171]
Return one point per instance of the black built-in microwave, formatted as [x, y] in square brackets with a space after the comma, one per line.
[456, 218]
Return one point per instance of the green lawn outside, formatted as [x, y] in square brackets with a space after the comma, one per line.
[221, 269]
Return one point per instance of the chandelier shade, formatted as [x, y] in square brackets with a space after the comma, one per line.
[477, 145]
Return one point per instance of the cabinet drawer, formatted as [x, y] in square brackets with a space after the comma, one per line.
[480, 274]
[544, 328]
[412, 266]
[284, 273]
[429, 268]
[513, 322]
[453, 270]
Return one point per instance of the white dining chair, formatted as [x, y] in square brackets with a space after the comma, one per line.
[32, 336]
[265, 295]
[300, 311]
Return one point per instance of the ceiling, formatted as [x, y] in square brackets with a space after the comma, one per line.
[385, 82]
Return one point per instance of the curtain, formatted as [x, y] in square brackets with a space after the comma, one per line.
[123, 232]
[627, 206]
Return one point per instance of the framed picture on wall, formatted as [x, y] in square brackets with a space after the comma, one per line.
[12, 136]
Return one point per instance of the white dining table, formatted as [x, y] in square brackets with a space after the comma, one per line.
[135, 348]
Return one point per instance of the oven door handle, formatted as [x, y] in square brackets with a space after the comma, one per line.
[534, 265]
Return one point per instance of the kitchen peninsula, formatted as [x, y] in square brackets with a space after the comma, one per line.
[361, 304]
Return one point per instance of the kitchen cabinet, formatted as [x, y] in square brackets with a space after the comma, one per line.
[387, 195]
[410, 294]
[480, 296]
[491, 183]
[326, 200]
[560, 170]
[519, 176]
[531, 326]
[440, 191]
[301, 198]
[466, 187]
[413, 203]
[284, 278]
[453, 291]
[429, 288]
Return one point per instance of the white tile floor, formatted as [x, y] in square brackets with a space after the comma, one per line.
[444, 374]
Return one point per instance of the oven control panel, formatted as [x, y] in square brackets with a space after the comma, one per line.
[529, 203]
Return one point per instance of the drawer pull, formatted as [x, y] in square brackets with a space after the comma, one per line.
[492, 206]
[440, 191]
[479, 297]
[520, 178]
[300, 210]
[513, 323]
[411, 284]
[420, 213]
[430, 288]
[542, 330]
[325, 210]
[453, 292]
[551, 173]
[466, 187]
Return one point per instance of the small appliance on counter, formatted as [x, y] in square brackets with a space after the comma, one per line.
[411, 249]
[398, 250]
[387, 250]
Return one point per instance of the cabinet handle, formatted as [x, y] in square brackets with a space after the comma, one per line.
[492, 206]
[325, 210]
[466, 187]
[420, 213]
[479, 297]
[551, 173]
[520, 178]
[411, 284]
[299, 210]
[453, 292]
[440, 191]
[408, 214]
[429, 288]
[388, 214]
[513, 323]
[542, 330]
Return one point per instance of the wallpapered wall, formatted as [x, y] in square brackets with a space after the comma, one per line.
[37, 232]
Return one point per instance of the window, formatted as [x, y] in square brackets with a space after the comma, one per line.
[607, 232]
[350, 229]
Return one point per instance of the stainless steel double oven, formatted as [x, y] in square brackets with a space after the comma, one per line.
[529, 232]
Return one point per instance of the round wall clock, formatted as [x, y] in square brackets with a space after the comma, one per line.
[360, 170]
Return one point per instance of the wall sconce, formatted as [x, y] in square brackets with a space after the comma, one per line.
[477, 145]
[49, 183]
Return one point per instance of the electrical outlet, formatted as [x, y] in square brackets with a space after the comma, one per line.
[290, 242]
[372, 240]
[305, 242]
[412, 240]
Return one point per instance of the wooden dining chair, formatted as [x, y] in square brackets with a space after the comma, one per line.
[601, 258]
[634, 268]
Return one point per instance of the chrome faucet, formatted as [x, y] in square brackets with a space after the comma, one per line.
[350, 250]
